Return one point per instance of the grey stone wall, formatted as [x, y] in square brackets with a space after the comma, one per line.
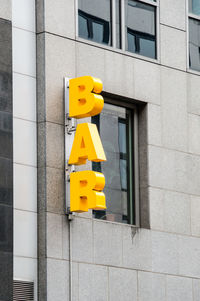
[114, 261]
[6, 155]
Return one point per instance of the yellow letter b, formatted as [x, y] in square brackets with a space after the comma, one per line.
[86, 191]
[82, 101]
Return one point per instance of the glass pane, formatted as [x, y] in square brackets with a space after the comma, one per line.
[140, 17]
[147, 48]
[113, 125]
[141, 25]
[122, 136]
[123, 174]
[131, 42]
[194, 44]
[98, 17]
[97, 32]
[194, 7]
[118, 23]
[82, 27]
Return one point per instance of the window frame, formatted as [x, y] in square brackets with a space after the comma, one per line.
[113, 44]
[123, 27]
[133, 148]
[195, 17]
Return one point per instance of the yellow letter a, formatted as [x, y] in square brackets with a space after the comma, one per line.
[85, 191]
[87, 145]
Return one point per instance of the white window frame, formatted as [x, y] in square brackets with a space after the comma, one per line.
[123, 31]
[190, 16]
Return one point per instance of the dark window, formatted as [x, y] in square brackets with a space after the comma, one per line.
[194, 44]
[115, 125]
[118, 24]
[95, 20]
[141, 28]
[194, 7]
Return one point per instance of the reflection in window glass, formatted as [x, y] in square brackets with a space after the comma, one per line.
[141, 28]
[97, 32]
[83, 30]
[194, 44]
[94, 19]
[118, 23]
[147, 47]
[115, 127]
[194, 7]
[131, 42]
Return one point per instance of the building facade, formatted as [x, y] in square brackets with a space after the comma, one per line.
[146, 245]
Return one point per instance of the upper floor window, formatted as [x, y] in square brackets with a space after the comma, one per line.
[141, 28]
[125, 24]
[94, 20]
[194, 34]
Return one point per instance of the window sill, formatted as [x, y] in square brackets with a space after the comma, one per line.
[191, 71]
[119, 51]
[105, 221]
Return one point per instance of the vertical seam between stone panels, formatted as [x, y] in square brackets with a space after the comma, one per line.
[108, 275]
[93, 257]
[76, 56]
[78, 280]
[42, 6]
[178, 253]
[165, 287]
[190, 199]
[122, 232]
[42, 294]
[193, 290]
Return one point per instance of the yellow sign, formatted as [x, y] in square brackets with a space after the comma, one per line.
[87, 145]
[84, 100]
[86, 191]
[86, 186]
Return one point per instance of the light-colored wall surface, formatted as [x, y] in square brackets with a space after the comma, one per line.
[25, 144]
[6, 9]
[116, 262]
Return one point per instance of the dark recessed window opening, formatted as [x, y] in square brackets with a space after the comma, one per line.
[141, 28]
[116, 127]
[194, 44]
[129, 25]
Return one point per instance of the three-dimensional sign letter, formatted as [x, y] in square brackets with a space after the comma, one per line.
[84, 100]
[86, 191]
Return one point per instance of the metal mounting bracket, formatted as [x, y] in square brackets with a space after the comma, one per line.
[70, 128]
